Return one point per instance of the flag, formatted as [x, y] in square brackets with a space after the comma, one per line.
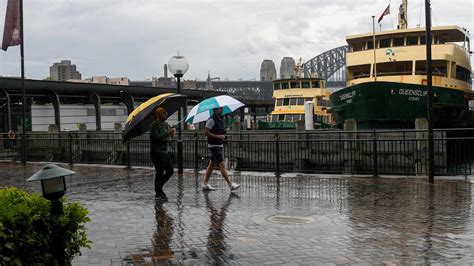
[386, 12]
[11, 32]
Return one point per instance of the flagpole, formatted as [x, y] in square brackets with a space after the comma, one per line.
[23, 112]
[375, 58]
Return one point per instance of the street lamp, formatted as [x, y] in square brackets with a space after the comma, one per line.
[178, 65]
[53, 186]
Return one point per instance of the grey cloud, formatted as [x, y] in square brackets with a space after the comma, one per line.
[228, 37]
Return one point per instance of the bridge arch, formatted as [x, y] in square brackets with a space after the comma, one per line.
[329, 65]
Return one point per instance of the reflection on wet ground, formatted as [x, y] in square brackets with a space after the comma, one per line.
[270, 220]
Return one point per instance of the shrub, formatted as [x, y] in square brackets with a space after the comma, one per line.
[27, 228]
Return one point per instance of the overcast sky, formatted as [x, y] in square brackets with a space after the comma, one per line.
[229, 38]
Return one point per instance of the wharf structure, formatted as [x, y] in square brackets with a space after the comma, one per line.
[66, 104]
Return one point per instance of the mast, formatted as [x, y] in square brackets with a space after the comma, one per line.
[402, 15]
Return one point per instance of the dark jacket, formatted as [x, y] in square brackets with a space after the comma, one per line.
[218, 129]
[159, 137]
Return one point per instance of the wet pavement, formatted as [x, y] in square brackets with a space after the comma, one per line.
[292, 219]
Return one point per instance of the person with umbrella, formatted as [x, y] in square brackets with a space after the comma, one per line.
[151, 116]
[214, 132]
[160, 135]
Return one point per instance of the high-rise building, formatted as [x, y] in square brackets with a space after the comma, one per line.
[267, 70]
[64, 71]
[287, 68]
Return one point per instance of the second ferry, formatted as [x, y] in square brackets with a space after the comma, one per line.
[290, 96]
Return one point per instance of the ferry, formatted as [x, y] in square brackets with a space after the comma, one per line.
[290, 95]
[386, 88]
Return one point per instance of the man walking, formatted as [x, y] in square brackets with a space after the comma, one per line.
[214, 132]
[160, 135]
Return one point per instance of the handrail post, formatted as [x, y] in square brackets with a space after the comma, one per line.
[374, 144]
[70, 148]
[277, 152]
[128, 155]
[196, 164]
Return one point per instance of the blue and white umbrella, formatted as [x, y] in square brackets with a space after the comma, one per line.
[203, 110]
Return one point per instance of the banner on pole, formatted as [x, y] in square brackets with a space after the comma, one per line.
[11, 31]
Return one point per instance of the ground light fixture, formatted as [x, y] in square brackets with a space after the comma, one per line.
[53, 186]
[178, 65]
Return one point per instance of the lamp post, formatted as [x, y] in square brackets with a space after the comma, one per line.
[178, 65]
[53, 186]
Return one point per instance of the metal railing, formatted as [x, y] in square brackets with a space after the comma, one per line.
[401, 152]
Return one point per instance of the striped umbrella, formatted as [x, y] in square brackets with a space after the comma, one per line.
[139, 121]
[203, 110]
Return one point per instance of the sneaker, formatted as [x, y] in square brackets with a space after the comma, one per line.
[208, 188]
[234, 186]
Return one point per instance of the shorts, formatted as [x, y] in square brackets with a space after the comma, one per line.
[216, 154]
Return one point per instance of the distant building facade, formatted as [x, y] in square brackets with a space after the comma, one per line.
[104, 80]
[64, 71]
[287, 68]
[267, 70]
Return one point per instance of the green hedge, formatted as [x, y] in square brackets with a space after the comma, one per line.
[26, 228]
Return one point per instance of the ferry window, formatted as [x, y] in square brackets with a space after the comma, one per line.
[284, 85]
[300, 101]
[370, 45]
[412, 40]
[305, 84]
[395, 68]
[422, 39]
[325, 119]
[295, 84]
[420, 67]
[361, 71]
[281, 117]
[357, 47]
[286, 101]
[384, 43]
[399, 41]
[315, 84]
[320, 101]
[439, 67]
[276, 86]
[463, 74]
[279, 102]
[293, 101]
[437, 40]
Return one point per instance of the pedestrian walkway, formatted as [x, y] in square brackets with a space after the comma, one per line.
[292, 219]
